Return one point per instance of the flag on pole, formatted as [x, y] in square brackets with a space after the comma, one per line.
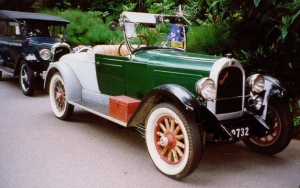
[176, 33]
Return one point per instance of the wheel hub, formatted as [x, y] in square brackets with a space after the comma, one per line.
[163, 141]
[60, 95]
[168, 140]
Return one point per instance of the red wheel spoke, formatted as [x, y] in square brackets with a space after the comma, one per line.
[176, 130]
[175, 156]
[179, 137]
[163, 127]
[178, 151]
[170, 156]
[167, 124]
[163, 152]
[172, 125]
[180, 144]
[160, 134]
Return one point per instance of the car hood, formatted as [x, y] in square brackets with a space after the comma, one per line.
[42, 41]
[176, 59]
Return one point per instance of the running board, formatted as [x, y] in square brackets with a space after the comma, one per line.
[7, 70]
[99, 110]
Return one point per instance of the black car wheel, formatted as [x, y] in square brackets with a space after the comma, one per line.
[173, 141]
[279, 117]
[27, 79]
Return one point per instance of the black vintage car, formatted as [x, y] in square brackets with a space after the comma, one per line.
[28, 43]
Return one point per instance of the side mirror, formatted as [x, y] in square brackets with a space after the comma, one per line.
[113, 26]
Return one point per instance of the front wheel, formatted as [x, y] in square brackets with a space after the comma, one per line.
[27, 79]
[57, 94]
[173, 141]
[280, 119]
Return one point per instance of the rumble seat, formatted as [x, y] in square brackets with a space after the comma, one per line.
[109, 50]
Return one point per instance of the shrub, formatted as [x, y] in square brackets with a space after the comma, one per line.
[211, 39]
[88, 28]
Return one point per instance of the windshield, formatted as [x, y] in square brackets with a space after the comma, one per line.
[154, 31]
[44, 29]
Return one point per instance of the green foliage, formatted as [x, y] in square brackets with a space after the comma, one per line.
[194, 10]
[88, 28]
[162, 7]
[296, 121]
[60, 5]
[212, 31]
[63, 5]
[114, 8]
[213, 39]
[288, 19]
[267, 40]
[256, 2]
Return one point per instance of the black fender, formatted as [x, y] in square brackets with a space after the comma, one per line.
[272, 87]
[18, 66]
[172, 93]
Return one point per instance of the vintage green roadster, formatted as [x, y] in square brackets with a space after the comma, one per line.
[180, 102]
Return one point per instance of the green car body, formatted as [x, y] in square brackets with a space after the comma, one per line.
[148, 69]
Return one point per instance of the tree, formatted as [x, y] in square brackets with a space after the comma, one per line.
[268, 39]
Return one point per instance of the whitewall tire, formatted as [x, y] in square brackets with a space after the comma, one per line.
[173, 141]
[57, 93]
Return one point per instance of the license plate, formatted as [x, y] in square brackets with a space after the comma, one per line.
[241, 132]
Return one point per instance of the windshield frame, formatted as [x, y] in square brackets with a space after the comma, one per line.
[129, 22]
[52, 29]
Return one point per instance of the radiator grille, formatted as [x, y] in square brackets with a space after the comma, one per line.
[229, 91]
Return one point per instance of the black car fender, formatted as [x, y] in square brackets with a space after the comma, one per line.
[170, 93]
[272, 87]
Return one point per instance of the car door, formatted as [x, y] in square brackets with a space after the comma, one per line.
[4, 47]
[3, 50]
[137, 78]
[14, 44]
[110, 74]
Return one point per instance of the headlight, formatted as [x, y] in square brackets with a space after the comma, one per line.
[256, 83]
[45, 54]
[206, 88]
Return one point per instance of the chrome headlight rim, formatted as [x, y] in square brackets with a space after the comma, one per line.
[256, 83]
[45, 54]
[206, 88]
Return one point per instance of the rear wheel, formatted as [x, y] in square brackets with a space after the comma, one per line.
[173, 141]
[27, 79]
[57, 94]
[279, 117]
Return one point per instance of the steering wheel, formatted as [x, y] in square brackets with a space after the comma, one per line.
[142, 41]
